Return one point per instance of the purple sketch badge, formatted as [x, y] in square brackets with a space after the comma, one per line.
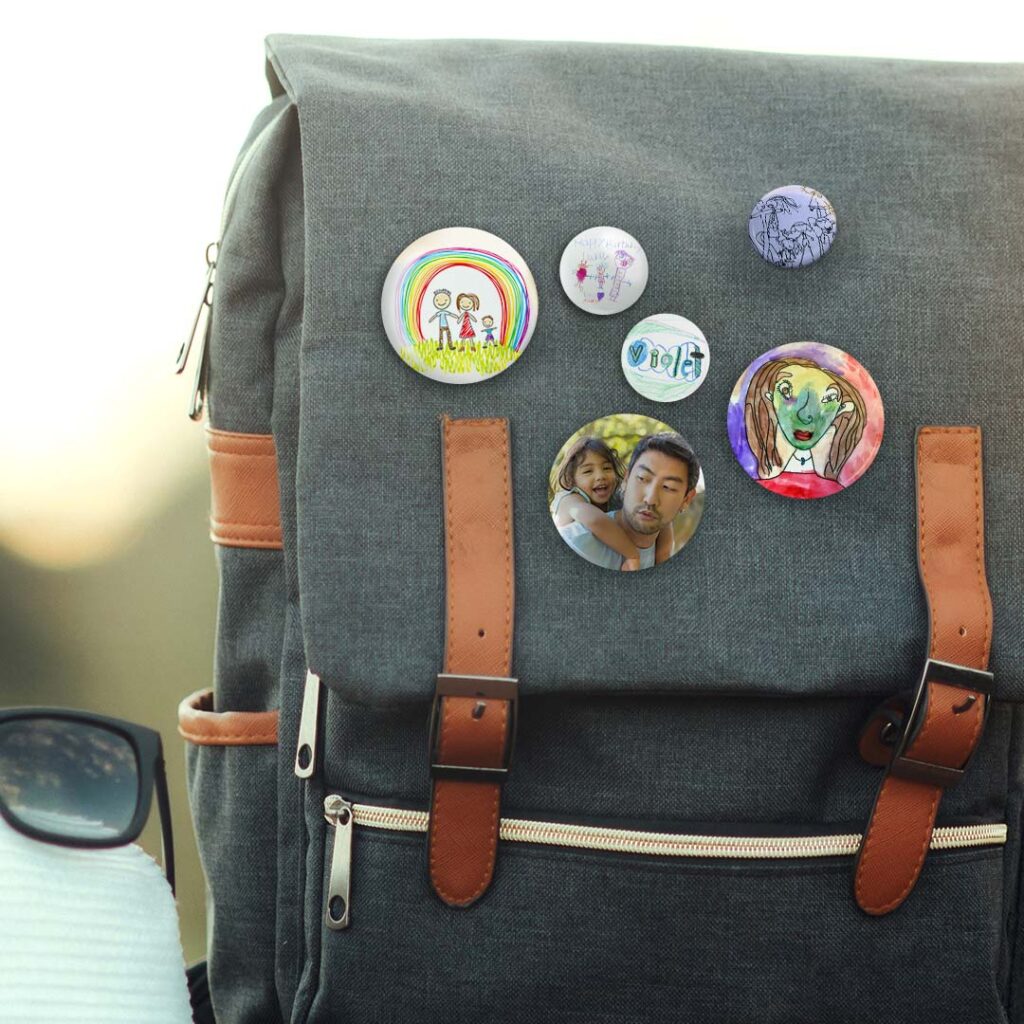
[793, 226]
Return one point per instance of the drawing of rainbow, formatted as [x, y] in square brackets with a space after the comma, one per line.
[516, 312]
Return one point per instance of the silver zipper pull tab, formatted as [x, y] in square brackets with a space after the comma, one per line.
[199, 338]
[199, 325]
[305, 751]
[338, 812]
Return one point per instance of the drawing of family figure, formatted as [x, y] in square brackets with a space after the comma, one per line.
[622, 260]
[623, 518]
[796, 243]
[466, 304]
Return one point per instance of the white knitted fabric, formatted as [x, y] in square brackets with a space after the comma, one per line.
[87, 936]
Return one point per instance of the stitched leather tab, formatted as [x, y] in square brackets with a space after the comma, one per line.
[473, 731]
[245, 506]
[200, 724]
[947, 724]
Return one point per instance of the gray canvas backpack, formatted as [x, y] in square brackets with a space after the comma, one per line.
[448, 771]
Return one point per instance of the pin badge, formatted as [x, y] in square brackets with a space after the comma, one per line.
[626, 492]
[805, 420]
[793, 226]
[665, 357]
[459, 305]
[604, 270]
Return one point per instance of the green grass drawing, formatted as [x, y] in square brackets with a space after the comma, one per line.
[424, 355]
[664, 390]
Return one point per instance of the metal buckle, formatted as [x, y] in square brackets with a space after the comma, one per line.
[488, 688]
[973, 679]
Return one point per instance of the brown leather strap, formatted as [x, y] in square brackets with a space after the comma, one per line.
[200, 724]
[944, 727]
[473, 732]
[245, 510]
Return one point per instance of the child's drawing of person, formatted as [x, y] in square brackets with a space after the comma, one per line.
[802, 422]
[464, 303]
[442, 303]
[623, 261]
[487, 326]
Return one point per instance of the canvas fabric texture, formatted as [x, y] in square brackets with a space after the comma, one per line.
[722, 691]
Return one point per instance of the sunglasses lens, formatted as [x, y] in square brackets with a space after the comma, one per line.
[67, 779]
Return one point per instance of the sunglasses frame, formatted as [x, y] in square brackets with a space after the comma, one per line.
[149, 757]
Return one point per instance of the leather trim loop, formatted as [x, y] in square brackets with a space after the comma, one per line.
[200, 724]
[245, 507]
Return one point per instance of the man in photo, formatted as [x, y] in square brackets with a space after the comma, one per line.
[660, 482]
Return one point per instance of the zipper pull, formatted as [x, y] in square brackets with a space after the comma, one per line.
[199, 337]
[338, 812]
[305, 752]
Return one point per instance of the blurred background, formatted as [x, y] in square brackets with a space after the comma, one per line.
[119, 136]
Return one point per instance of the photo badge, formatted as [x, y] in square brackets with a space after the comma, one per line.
[805, 420]
[459, 305]
[626, 492]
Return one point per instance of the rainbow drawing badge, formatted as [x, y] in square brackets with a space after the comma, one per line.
[459, 305]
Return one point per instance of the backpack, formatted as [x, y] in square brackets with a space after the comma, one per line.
[447, 770]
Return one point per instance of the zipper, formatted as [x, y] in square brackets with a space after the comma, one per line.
[199, 337]
[629, 841]
[338, 812]
[305, 750]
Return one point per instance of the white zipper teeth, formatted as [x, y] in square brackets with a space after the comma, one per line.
[619, 840]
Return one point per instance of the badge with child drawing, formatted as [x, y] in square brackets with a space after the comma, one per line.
[665, 357]
[626, 492]
[805, 420]
[459, 305]
[603, 270]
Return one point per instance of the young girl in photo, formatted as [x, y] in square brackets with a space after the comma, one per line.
[587, 482]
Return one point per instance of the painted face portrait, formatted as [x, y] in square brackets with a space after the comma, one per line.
[805, 420]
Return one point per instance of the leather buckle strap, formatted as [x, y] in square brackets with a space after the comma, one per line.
[945, 722]
[974, 685]
[481, 689]
[473, 717]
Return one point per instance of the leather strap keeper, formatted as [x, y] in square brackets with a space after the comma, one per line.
[244, 503]
[473, 719]
[942, 727]
[200, 724]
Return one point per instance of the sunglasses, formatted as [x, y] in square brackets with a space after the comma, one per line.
[73, 778]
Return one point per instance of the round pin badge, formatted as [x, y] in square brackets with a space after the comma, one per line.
[793, 226]
[805, 420]
[604, 270]
[626, 492]
[665, 357]
[459, 305]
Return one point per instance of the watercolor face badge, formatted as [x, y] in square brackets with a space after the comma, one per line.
[805, 420]
[665, 357]
[626, 492]
[459, 305]
[603, 270]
